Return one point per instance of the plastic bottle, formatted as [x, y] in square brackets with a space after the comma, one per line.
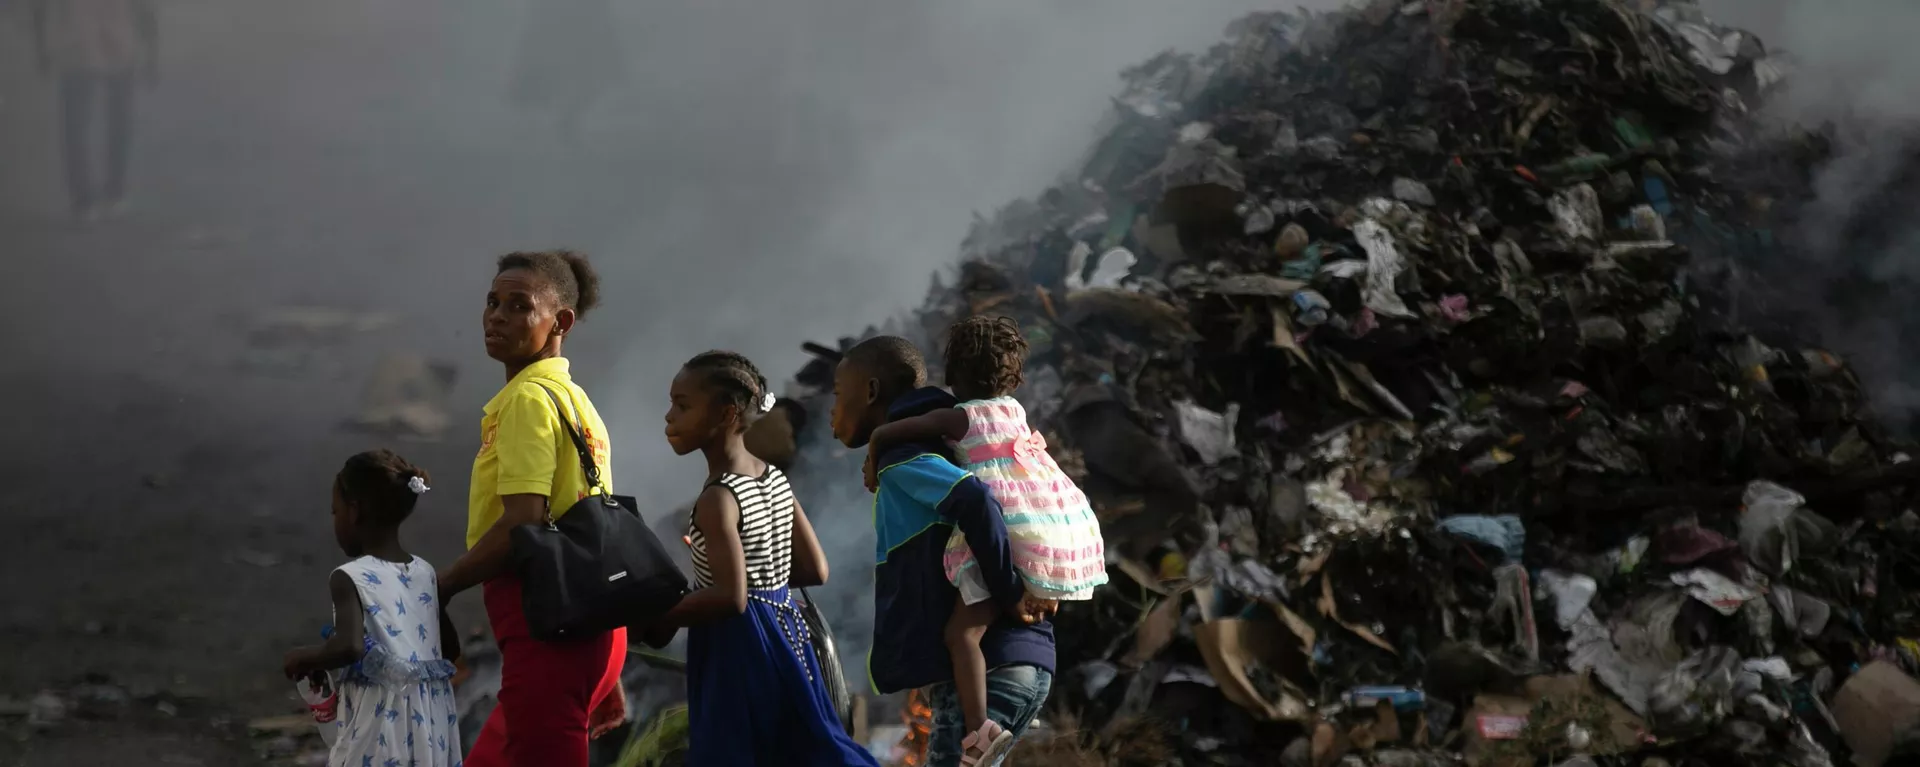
[322, 699]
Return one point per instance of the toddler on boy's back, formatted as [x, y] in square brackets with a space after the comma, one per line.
[390, 643]
[1053, 535]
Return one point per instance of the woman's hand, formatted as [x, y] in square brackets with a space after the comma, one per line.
[610, 714]
[872, 470]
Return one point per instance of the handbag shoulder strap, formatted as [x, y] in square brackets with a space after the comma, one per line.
[587, 465]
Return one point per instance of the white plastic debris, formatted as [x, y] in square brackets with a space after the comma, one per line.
[1257, 218]
[1210, 434]
[1576, 212]
[1077, 265]
[1409, 190]
[1764, 533]
[1647, 223]
[1572, 594]
[1333, 501]
[1384, 264]
[1772, 668]
[1715, 590]
[1113, 266]
[1195, 132]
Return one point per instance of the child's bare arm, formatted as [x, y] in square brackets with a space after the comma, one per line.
[717, 515]
[949, 424]
[449, 637]
[346, 645]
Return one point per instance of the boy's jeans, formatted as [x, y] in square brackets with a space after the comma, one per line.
[1014, 697]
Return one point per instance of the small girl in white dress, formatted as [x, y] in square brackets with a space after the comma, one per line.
[390, 642]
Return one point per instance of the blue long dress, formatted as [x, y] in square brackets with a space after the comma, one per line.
[755, 695]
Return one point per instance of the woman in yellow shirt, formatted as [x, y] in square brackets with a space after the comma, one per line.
[553, 695]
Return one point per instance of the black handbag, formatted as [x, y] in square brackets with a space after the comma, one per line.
[595, 566]
[828, 654]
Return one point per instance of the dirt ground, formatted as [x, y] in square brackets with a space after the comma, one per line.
[169, 538]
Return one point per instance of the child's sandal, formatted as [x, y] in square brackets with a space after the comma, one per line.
[986, 745]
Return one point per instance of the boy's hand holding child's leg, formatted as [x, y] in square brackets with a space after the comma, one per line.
[1032, 609]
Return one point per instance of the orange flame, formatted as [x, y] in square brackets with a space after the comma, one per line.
[918, 717]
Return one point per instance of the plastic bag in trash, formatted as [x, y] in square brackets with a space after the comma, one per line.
[1715, 590]
[1505, 532]
[1311, 308]
[1576, 212]
[1696, 693]
[1113, 266]
[1572, 594]
[1210, 434]
[1384, 264]
[1774, 527]
[1767, 507]
[1409, 190]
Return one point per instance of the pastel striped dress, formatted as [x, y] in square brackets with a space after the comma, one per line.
[1054, 535]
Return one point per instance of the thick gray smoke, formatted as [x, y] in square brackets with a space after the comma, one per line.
[1855, 248]
[755, 174]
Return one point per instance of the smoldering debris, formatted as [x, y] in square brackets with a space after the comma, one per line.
[1398, 349]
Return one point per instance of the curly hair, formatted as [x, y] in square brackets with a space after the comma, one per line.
[377, 481]
[568, 273]
[985, 356]
[735, 380]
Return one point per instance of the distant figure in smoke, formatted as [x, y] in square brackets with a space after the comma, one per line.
[570, 56]
[96, 49]
[756, 693]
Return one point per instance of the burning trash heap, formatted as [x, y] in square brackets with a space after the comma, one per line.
[1396, 347]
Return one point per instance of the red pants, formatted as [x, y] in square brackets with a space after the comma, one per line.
[547, 689]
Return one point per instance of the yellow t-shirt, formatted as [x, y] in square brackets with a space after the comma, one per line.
[524, 449]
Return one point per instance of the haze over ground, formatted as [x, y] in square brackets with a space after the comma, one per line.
[764, 174]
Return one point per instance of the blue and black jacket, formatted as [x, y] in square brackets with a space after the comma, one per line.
[923, 496]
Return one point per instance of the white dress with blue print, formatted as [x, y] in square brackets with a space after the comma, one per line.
[396, 704]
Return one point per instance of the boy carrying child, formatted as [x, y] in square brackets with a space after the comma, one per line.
[922, 497]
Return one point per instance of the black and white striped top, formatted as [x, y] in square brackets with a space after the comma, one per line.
[766, 530]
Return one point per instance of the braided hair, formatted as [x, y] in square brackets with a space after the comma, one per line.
[985, 356]
[735, 380]
[381, 483]
[571, 276]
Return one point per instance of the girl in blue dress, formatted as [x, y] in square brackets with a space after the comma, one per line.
[755, 694]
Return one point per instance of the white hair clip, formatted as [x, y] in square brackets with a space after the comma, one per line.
[417, 485]
[766, 403]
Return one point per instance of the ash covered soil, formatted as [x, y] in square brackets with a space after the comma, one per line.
[171, 529]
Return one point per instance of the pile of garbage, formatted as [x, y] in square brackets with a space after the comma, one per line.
[1397, 350]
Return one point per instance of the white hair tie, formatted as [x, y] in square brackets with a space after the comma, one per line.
[766, 403]
[417, 485]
